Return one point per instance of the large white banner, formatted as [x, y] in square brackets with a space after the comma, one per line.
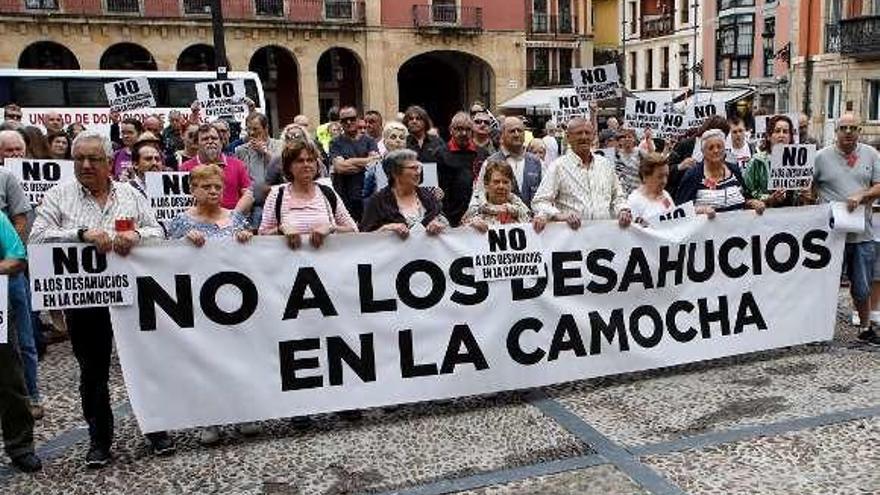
[233, 333]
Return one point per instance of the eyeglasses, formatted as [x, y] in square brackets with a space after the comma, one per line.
[482, 121]
[80, 159]
[849, 128]
[13, 116]
[346, 120]
[396, 136]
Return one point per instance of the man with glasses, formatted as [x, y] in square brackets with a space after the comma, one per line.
[86, 210]
[526, 167]
[455, 167]
[350, 154]
[483, 132]
[236, 181]
[12, 112]
[849, 171]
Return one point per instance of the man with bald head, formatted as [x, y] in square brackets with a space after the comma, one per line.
[526, 166]
[804, 130]
[53, 122]
[849, 171]
[455, 167]
[580, 185]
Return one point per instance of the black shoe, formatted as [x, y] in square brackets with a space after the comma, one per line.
[98, 457]
[870, 337]
[28, 463]
[162, 444]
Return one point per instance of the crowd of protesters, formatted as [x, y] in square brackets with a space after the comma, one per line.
[358, 172]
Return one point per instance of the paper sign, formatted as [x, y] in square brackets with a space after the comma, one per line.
[672, 126]
[645, 113]
[76, 276]
[4, 307]
[684, 211]
[791, 167]
[844, 220]
[566, 105]
[129, 94]
[509, 252]
[221, 98]
[596, 83]
[38, 176]
[699, 112]
[169, 194]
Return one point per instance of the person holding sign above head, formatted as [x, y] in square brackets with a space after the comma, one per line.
[849, 171]
[15, 415]
[651, 199]
[402, 205]
[580, 185]
[757, 174]
[302, 206]
[113, 216]
[498, 205]
[236, 181]
[713, 185]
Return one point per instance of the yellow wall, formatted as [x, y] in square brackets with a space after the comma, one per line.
[607, 23]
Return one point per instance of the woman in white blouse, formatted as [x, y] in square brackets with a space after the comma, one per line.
[651, 200]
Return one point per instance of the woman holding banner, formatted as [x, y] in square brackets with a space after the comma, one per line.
[713, 185]
[498, 204]
[402, 205]
[650, 200]
[302, 205]
[757, 175]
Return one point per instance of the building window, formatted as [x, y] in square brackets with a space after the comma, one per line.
[664, 67]
[41, 4]
[874, 100]
[197, 6]
[649, 68]
[632, 71]
[768, 39]
[632, 18]
[732, 4]
[745, 35]
[684, 58]
[685, 11]
[739, 68]
[832, 100]
[123, 6]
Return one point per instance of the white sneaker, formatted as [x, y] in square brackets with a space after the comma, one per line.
[856, 321]
[209, 435]
[249, 429]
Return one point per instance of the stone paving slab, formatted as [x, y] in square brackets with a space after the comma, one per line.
[599, 480]
[385, 450]
[830, 460]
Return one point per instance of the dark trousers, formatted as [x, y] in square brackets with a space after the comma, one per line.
[91, 336]
[15, 414]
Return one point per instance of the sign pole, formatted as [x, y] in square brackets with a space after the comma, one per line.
[219, 38]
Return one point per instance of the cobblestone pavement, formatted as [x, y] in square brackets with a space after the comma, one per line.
[800, 420]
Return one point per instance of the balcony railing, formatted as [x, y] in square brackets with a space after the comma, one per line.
[448, 17]
[860, 36]
[543, 23]
[542, 77]
[832, 38]
[292, 11]
[656, 26]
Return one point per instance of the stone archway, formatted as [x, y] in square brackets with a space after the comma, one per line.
[127, 56]
[199, 57]
[340, 82]
[444, 82]
[279, 74]
[47, 55]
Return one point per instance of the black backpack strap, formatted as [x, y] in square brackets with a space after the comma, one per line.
[278, 205]
[330, 194]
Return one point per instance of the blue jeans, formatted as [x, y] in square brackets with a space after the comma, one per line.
[20, 305]
[859, 262]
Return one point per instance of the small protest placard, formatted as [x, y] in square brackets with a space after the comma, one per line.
[700, 111]
[129, 94]
[683, 211]
[76, 276]
[596, 83]
[510, 251]
[566, 105]
[38, 176]
[4, 314]
[672, 126]
[791, 167]
[645, 113]
[220, 98]
[169, 194]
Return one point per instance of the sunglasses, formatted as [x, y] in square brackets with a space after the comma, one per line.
[396, 136]
[849, 128]
[482, 121]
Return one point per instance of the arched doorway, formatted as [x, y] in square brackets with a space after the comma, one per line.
[127, 56]
[444, 82]
[47, 55]
[339, 80]
[280, 77]
[197, 58]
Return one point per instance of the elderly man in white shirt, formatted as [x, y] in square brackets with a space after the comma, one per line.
[580, 185]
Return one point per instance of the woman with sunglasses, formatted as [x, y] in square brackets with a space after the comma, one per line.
[483, 132]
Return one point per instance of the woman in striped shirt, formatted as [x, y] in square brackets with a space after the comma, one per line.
[713, 185]
[302, 206]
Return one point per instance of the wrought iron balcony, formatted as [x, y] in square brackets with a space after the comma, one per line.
[452, 17]
[832, 38]
[860, 37]
[656, 26]
[552, 24]
[291, 11]
[537, 78]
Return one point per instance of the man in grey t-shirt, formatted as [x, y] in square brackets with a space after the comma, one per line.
[849, 171]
